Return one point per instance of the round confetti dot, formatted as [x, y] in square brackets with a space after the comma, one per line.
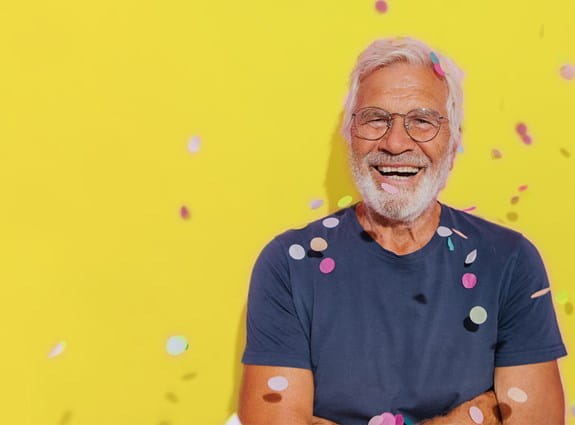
[278, 383]
[184, 213]
[176, 345]
[438, 70]
[512, 216]
[469, 280]
[399, 420]
[567, 71]
[561, 297]
[476, 414]
[376, 420]
[444, 232]
[541, 292]
[58, 349]
[496, 154]
[457, 232]
[327, 265]
[514, 199]
[434, 58]
[297, 252]
[381, 6]
[471, 257]
[194, 144]
[522, 188]
[517, 394]
[389, 188]
[318, 244]
[344, 201]
[521, 129]
[330, 222]
[315, 204]
[387, 419]
[478, 315]
[526, 139]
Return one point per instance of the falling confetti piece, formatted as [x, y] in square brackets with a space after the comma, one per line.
[444, 232]
[194, 144]
[315, 204]
[522, 188]
[469, 280]
[318, 244]
[278, 383]
[471, 257]
[496, 154]
[327, 265]
[434, 58]
[344, 202]
[469, 209]
[561, 297]
[381, 6]
[526, 139]
[233, 420]
[58, 349]
[476, 414]
[540, 293]
[184, 213]
[565, 153]
[521, 129]
[376, 420]
[450, 244]
[176, 345]
[478, 315]
[330, 222]
[517, 394]
[573, 410]
[514, 199]
[387, 419]
[568, 308]
[297, 252]
[460, 149]
[438, 70]
[457, 232]
[389, 188]
[512, 216]
[399, 419]
[568, 71]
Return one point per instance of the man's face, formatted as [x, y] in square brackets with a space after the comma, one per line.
[401, 88]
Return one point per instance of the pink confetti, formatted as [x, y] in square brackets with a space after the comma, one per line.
[469, 280]
[399, 419]
[568, 71]
[184, 213]
[315, 204]
[522, 188]
[327, 265]
[389, 188]
[376, 420]
[194, 144]
[526, 139]
[521, 129]
[476, 414]
[381, 6]
[540, 293]
[496, 154]
[387, 419]
[438, 70]
[469, 209]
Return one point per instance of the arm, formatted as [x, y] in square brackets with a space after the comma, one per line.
[486, 402]
[541, 383]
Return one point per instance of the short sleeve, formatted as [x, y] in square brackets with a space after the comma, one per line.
[275, 335]
[527, 331]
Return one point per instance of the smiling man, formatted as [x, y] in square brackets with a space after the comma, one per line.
[401, 309]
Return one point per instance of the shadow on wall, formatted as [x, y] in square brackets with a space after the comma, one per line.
[338, 183]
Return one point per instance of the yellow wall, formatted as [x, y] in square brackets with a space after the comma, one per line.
[98, 101]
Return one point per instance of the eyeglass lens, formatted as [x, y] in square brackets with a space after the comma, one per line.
[422, 124]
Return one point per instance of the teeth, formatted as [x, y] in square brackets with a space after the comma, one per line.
[398, 169]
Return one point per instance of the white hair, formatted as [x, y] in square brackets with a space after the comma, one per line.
[387, 51]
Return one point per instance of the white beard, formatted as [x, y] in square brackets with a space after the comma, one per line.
[408, 204]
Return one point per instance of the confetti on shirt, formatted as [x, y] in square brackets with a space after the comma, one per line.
[278, 383]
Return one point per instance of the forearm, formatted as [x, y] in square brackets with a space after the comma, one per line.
[462, 414]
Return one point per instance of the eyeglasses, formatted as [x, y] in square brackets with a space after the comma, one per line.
[421, 124]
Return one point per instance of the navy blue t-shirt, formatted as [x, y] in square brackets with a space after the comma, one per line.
[415, 334]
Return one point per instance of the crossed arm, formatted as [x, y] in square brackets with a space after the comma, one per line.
[540, 382]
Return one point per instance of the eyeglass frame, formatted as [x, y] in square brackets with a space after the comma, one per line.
[389, 123]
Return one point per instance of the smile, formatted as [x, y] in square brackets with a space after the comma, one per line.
[398, 173]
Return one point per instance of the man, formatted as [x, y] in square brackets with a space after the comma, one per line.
[401, 309]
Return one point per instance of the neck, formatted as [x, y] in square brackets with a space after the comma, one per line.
[400, 237]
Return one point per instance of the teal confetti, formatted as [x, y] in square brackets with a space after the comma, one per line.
[450, 244]
[434, 58]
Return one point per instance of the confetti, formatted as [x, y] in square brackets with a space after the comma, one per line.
[381, 6]
[318, 244]
[512, 216]
[478, 315]
[517, 394]
[184, 213]
[297, 252]
[469, 280]
[460, 149]
[387, 419]
[278, 383]
[514, 199]
[399, 419]
[389, 188]
[327, 265]
[450, 244]
[176, 345]
[469, 209]
[344, 202]
[471, 257]
[330, 222]
[526, 139]
[561, 297]
[444, 232]
[233, 420]
[573, 410]
[194, 144]
[521, 129]
[58, 349]
[434, 58]
[376, 420]
[457, 232]
[567, 71]
[476, 414]
[438, 70]
[315, 204]
[522, 188]
[540, 293]
[496, 154]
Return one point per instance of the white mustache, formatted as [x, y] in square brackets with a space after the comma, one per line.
[377, 158]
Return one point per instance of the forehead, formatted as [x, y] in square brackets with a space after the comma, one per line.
[401, 87]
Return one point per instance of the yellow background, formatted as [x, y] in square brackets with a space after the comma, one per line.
[98, 101]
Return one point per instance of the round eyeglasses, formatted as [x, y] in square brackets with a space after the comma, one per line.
[421, 124]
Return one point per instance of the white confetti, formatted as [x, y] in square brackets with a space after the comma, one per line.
[471, 257]
[278, 383]
[444, 231]
[176, 345]
[58, 349]
[517, 394]
[297, 252]
[330, 222]
[478, 315]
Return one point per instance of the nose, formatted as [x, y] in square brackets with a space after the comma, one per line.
[396, 140]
